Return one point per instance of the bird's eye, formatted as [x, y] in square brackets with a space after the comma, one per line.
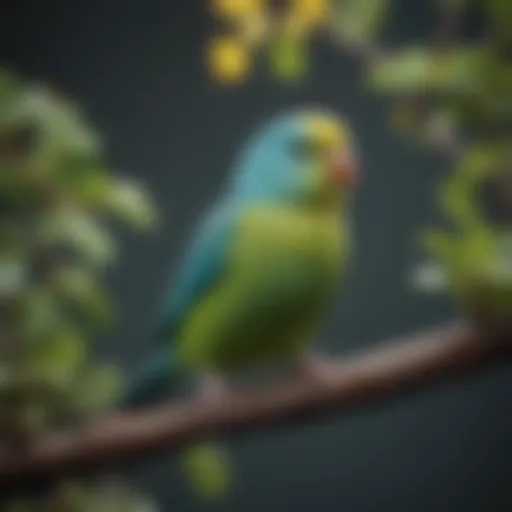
[304, 148]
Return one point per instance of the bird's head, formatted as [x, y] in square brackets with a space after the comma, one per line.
[306, 156]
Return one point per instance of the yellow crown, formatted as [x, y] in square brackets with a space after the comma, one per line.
[327, 130]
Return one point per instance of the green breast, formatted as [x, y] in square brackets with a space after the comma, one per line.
[281, 276]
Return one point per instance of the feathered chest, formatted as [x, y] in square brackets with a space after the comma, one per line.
[282, 271]
[289, 241]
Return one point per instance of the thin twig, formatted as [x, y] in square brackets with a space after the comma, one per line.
[398, 367]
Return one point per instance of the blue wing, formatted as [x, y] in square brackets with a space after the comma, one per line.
[202, 266]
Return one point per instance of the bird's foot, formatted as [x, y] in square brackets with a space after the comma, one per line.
[318, 369]
[213, 389]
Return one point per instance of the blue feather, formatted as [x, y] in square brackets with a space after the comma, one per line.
[202, 267]
[158, 375]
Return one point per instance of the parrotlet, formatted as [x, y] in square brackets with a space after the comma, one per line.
[262, 270]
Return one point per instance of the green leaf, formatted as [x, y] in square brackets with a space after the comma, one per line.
[416, 69]
[10, 91]
[289, 57]
[458, 204]
[79, 286]
[127, 200]
[478, 163]
[458, 193]
[80, 230]
[131, 203]
[89, 185]
[61, 128]
[208, 470]
[500, 13]
[405, 71]
[76, 283]
[13, 274]
[40, 315]
[58, 359]
[479, 247]
[439, 244]
[505, 247]
[358, 20]
[99, 389]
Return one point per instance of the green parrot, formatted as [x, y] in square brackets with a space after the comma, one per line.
[262, 271]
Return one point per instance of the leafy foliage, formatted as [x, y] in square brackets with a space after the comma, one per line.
[459, 96]
[476, 254]
[57, 203]
[413, 69]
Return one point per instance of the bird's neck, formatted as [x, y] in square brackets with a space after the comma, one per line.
[321, 210]
[323, 204]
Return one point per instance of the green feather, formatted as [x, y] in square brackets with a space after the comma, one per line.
[282, 274]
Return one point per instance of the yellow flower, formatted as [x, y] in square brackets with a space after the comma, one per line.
[229, 59]
[310, 11]
[237, 8]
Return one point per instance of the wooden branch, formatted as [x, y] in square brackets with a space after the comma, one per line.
[387, 372]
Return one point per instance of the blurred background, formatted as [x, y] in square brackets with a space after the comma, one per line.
[137, 70]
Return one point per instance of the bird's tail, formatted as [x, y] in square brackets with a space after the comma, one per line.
[205, 465]
[208, 471]
[153, 380]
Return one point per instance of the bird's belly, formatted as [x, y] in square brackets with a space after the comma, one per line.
[266, 306]
[263, 315]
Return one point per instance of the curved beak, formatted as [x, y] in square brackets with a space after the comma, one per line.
[343, 167]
